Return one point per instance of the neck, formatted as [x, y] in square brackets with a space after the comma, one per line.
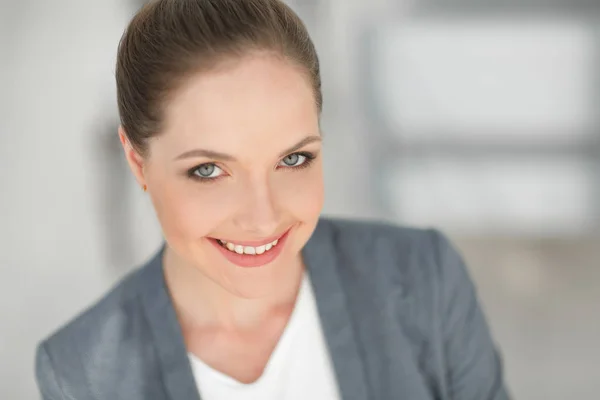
[201, 302]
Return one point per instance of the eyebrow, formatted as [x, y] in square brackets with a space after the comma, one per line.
[226, 157]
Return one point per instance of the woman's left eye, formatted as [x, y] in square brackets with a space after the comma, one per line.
[293, 160]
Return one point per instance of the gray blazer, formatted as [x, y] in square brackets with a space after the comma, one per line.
[398, 310]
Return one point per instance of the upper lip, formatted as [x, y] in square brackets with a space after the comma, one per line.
[255, 243]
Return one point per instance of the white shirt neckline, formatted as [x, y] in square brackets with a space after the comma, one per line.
[271, 366]
[300, 365]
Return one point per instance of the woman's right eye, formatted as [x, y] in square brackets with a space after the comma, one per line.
[206, 172]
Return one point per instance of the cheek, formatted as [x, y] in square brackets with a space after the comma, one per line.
[301, 192]
[189, 210]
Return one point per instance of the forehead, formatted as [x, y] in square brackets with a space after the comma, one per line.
[258, 101]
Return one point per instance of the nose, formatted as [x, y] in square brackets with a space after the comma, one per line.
[258, 213]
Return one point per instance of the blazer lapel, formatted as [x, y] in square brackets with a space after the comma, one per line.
[174, 365]
[321, 262]
[375, 347]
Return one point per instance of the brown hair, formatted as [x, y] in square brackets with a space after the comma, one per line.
[169, 40]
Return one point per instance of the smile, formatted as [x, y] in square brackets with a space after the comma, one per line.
[251, 253]
[240, 249]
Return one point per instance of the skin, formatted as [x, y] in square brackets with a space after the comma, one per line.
[256, 110]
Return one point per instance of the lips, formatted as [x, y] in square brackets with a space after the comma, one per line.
[251, 254]
[246, 249]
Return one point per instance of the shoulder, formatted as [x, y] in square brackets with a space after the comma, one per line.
[356, 229]
[116, 304]
[386, 263]
[113, 328]
[389, 245]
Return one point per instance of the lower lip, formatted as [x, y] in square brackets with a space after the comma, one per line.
[249, 260]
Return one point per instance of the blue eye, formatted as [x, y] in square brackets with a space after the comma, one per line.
[293, 160]
[207, 171]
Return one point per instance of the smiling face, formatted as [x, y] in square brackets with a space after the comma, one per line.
[238, 170]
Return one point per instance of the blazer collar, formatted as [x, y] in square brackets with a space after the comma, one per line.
[322, 264]
[175, 367]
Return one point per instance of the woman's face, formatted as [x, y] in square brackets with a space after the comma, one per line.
[237, 168]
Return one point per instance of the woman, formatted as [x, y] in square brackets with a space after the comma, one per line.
[253, 296]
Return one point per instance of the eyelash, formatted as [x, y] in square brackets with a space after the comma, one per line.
[310, 157]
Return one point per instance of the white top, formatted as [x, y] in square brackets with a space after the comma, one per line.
[299, 368]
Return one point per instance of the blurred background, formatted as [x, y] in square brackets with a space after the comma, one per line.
[478, 117]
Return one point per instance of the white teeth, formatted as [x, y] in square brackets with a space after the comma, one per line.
[248, 249]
